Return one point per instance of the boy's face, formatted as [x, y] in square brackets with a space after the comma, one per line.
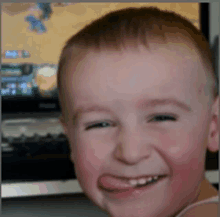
[131, 137]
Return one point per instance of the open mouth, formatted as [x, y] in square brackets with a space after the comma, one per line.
[137, 186]
[148, 183]
[135, 190]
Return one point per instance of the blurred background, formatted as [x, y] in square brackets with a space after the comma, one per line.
[35, 151]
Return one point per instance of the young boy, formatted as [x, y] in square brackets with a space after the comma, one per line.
[140, 105]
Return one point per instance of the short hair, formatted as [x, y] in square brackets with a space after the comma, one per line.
[131, 27]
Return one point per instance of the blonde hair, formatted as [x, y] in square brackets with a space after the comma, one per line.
[131, 27]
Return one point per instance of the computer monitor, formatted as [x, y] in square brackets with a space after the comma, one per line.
[27, 87]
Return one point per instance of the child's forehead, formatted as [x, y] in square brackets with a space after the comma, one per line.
[179, 63]
[172, 49]
[174, 56]
[178, 57]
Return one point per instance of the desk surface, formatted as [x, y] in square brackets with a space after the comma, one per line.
[68, 205]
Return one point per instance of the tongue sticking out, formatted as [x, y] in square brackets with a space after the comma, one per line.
[112, 183]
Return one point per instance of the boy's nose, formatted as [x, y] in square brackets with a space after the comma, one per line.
[131, 148]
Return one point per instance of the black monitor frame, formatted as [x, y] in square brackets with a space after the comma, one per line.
[204, 19]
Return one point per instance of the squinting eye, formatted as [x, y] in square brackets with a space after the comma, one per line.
[163, 118]
[156, 118]
[98, 125]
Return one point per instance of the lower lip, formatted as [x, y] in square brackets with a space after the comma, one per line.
[134, 193]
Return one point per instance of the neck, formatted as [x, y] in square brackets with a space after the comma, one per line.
[206, 191]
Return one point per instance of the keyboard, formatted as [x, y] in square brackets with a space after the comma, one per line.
[29, 137]
[22, 128]
[35, 149]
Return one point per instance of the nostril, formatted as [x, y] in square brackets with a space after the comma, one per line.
[133, 150]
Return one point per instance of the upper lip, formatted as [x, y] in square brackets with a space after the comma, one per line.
[135, 177]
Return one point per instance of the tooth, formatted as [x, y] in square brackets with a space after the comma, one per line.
[149, 179]
[133, 182]
[155, 177]
[142, 181]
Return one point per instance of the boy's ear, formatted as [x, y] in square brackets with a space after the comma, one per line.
[213, 140]
[63, 123]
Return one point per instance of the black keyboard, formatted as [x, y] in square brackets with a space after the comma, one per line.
[16, 149]
[38, 152]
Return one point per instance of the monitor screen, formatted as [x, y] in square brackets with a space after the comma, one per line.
[29, 87]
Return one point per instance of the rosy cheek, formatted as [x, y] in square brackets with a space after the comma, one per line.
[90, 154]
[175, 146]
[174, 150]
[87, 165]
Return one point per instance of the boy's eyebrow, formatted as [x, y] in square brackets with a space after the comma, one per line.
[142, 104]
[152, 103]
